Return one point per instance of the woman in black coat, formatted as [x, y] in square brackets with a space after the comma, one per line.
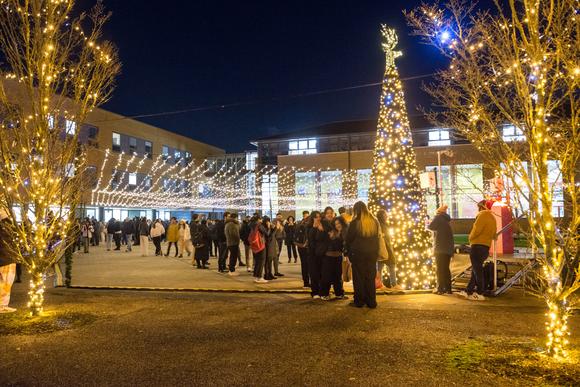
[362, 244]
[318, 241]
[289, 230]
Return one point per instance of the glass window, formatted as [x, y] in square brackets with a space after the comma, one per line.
[177, 155]
[93, 132]
[116, 142]
[149, 149]
[303, 147]
[270, 194]
[331, 189]
[556, 184]
[69, 170]
[50, 120]
[444, 185]
[165, 152]
[305, 191]
[469, 189]
[512, 133]
[439, 137]
[132, 179]
[363, 180]
[70, 127]
[132, 144]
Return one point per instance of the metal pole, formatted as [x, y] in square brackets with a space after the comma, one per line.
[439, 177]
[495, 264]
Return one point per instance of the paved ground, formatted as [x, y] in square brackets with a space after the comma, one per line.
[153, 338]
[129, 269]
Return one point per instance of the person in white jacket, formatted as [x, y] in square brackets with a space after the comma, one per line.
[157, 231]
[184, 241]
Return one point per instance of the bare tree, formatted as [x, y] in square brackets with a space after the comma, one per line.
[55, 71]
[517, 65]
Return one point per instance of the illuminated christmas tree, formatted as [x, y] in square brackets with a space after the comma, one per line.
[395, 183]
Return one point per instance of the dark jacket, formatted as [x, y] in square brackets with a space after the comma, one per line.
[143, 228]
[444, 243]
[245, 231]
[289, 229]
[128, 227]
[232, 232]
[220, 230]
[361, 248]
[387, 238]
[318, 241]
[113, 227]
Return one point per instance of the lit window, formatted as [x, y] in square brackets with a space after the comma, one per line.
[116, 142]
[512, 133]
[165, 151]
[439, 137]
[50, 120]
[177, 155]
[69, 170]
[149, 148]
[132, 144]
[70, 127]
[147, 182]
[303, 147]
[132, 179]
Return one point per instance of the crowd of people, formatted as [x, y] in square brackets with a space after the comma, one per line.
[352, 245]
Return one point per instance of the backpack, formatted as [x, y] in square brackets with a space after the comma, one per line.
[256, 241]
[301, 236]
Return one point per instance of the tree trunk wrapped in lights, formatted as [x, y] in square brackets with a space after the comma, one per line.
[512, 90]
[395, 184]
[55, 71]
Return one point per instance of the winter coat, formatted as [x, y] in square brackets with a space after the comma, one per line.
[220, 231]
[128, 227]
[289, 229]
[388, 244]
[484, 229]
[113, 226]
[212, 232]
[143, 228]
[184, 233]
[232, 232]
[157, 230]
[318, 240]
[443, 235]
[87, 230]
[5, 256]
[245, 231]
[172, 233]
[360, 248]
[271, 244]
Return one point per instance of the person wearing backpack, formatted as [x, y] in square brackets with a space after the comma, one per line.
[257, 241]
[301, 242]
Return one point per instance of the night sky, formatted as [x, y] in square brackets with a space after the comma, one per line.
[185, 54]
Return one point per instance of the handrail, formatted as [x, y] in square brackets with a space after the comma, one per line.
[508, 225]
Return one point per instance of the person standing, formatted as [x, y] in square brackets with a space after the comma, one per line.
[289, 230]
[144, 237]
[7, 264]
[362, 245]
[257, 241]
[301, 242]
[278, 233]
[443, 248]
[245, 231]
[172, 236]
[184, 235]
[157, 231]
[201, 241]
[103, 229]
[480, 237]
[232, 232]
[114, 234]
[212, 227]
[96, 232]
[86, 234]
[318, 240]
[343, 213]
[332, 262]
[128, 232]
[271, 248]
[222, 244]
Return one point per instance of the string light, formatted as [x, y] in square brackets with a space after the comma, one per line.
[394, 184]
